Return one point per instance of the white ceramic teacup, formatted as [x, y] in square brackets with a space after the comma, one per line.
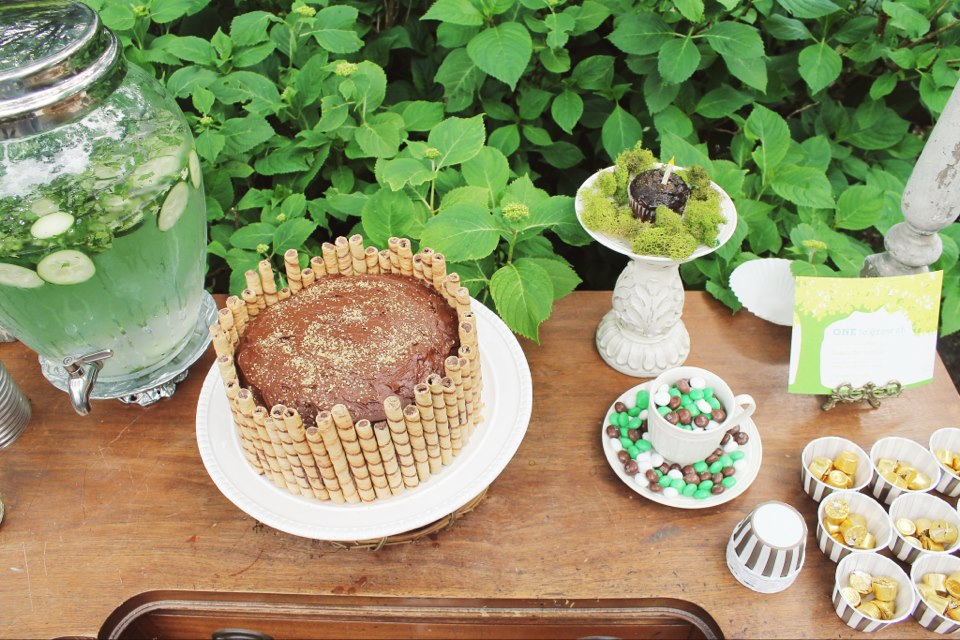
[686, 447]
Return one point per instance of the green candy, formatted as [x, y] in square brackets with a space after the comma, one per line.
[626, 442]
[624, 419]
[725, 460]
[675, 392]
[708, 393]
[694, 412]
[689, 490]
[634, 423]
[685, 400]
[614, 419]
[713, 402]
[663, 410]
[665, 481]
[623, 432]
[696, 394]
[633, 451]
[643, 445]
[701, 494]
[633, 412]
[729, 482]
[643, 398]
[716, 467]
[706, 485]
[687, 427]
[659, 473]
[678, 484]
[700, 467]
[736, 455]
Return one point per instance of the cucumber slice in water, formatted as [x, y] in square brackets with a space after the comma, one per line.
[196, 174]
[66, 267]
[154, 173]
[51, 225]
[43, 207]
[174, 206]
[20, 277]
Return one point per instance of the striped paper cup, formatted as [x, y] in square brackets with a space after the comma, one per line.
[947, 438]
[928, 618]
[830, 447]
[876, 565]
[770, 542]
[877, 523]
[900, 449]
[919, 505]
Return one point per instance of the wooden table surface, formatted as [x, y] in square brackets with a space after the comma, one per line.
[104, 507]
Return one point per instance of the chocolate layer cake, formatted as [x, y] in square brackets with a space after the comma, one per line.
[647, 192]
[351, 340]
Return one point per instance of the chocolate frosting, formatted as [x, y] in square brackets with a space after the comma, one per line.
[351, 340]
[647, 193]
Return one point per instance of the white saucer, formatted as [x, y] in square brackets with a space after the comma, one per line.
[507, 397]
[753, 454]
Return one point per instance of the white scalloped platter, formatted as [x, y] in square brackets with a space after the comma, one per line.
[753, 454]
[507, 397]
[620, 245]
[765, 288]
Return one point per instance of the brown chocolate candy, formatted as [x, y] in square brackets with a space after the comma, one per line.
[685, 416]
[620, 407]
[656, 487]
[685, 469]
[633, 434]
[623, 456]
[683, 385]
[726, 438]
[691, 478]
[674, 402]
[701, 421]
[664, 468]
[631, 467]
[717, 489]
[734, 430]
[672, 417]
[712, 458]
[719, 415]
[742, 437]
[717, 478]
[613, 431]
[706, 475]
[718, 452]
[728, 471]
[651, 475]
[674, 467]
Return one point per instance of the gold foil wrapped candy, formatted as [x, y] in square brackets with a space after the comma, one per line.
[941, 593]
[861, 581]
[877, 594]
[851, 595]
[838, 473]
[924, 533]
[885, 588]
[849, 529]
[903, 474]
[949, 459]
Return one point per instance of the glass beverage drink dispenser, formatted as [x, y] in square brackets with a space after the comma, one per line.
[102, 213]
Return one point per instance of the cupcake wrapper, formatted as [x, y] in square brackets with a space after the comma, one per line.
[762, 559]
[877, 523]
[853, 618]
[947, 438]
[924, 614]
[914, 506]
[901, 449]
[873, 564]
[933, 621]
[830, 447]
[753, 581]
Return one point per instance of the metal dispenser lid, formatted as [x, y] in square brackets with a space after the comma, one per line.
[52, 51]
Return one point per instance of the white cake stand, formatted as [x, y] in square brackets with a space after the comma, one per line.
[643, 334]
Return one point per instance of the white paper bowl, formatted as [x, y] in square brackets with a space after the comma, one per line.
[877, 523]
[830, 447]
[765, 287]
[875, 565]
[908, 451]
[946, 438]
[920, 505]
[926, 616]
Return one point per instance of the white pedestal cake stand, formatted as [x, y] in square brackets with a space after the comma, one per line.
[643, 334]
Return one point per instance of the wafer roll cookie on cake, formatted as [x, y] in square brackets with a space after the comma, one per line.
[393, 246]
[319, 266]
[344, 259]
[243, 419]
[253, 284]
[292, 458]
[440, 415]
[453, 367]
[225, 319]
[411, 416]
[351, 447]
[357, 256]
[220, 340]
[294, 425]
[291, 265]
[388, 455]
[372, 258]
[453, 417]
[307, 277]
[401, 441]
[418, 267]
[424, 401]
[327, 473]
[330, 261]
[331, 440]
[252, 302]
[405, 255]
[371, 453]
[426, 260]
[281, 455]
[267, 282]
[450, 285]
[239, 311]
[260, 420]
[463, 301]
[439, 272]
[228, 372]
[384, 258]
[284, 293]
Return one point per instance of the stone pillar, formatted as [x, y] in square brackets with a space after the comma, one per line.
[931, 201]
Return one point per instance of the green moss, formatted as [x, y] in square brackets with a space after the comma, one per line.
[657, 241]
[702, 218]
[622, 177]
[601, 214]
[606, 184]
[666, 218]
[636, 160]
[696, 176]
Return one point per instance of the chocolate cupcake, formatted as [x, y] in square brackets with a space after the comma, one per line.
[647, 192]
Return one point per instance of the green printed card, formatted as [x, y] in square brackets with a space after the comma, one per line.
[860, 330]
